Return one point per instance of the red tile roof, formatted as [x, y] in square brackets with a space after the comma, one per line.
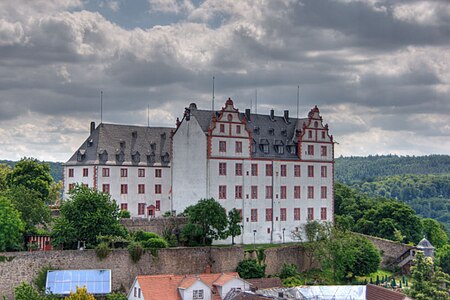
[375, 292]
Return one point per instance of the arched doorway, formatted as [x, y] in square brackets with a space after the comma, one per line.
[151, 211]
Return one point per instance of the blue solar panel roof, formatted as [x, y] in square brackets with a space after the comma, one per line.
[62, 282]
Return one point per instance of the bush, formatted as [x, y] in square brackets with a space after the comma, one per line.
[124, 214]
[81, 294]
[292, 282]
[288, 270]
[116, 296]
[135, 250]
[249, 268]
[102, 250]
[25, 291]
[141, 236]
[155, 243]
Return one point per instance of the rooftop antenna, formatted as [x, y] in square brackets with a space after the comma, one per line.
[148, 115]
[256, 101]
[101, 107]
[298, 98]
[213, 96]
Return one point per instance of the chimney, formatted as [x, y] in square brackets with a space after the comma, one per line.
[247, 114]
[92, 127]
[272, 114]
[286, 116]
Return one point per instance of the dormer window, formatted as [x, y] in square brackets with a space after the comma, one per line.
[278, 145]
[122, 144]
[165, 157]
[120, 156]
[271, 131]
[103, 155]
[81, 154]
[253, 146]
[292, 149]
[264, 145]
[151, 157]
[136, 156]
[90, 142]
[197, 294]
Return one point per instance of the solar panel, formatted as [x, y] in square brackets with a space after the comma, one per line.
[62, 282]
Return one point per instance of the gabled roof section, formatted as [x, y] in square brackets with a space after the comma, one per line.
[112, 144]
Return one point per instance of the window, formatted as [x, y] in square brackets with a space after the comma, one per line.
[197, 294]
[105, 172]
[105, 188]
[280, 149]
[222, 191]
[297, 171]
[135, 292]
[158, 173]
[70, 172]
[141, 188]
[323, 192]
[254, 215]
[265, 148]
[238, 169]
[123, 172]
[222, 168]
[297, 192]
[71, 186]
[268, 214]
[85, 172]
[283, 193]
[310, 149]
[124, 189]
[296, 214]
[310, 213]
[238, 147]
[222, 146]
[323, 150]
[283, 170]
[238, 129]
[124, 206]
[323, 213]
[158, 189]
[141, 172]
[222, 128]
[269, 170]
[254, 170]
[158, 205]
[254, 191]
[323, 134]
[268, 192]
[141, 208]
[323, 171]
[238, 192]
[310, 171]
[310, 134]
[139, 293]
[310, 192]
[240, 214]
[283, 216]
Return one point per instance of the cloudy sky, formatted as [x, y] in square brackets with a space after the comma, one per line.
[379, 70]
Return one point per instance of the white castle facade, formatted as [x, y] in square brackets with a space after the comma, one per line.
[277, 171]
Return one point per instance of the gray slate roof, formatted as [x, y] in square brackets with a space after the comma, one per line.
[265, 130]
[113, 144]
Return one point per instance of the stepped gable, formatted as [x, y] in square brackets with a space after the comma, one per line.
[113, 144]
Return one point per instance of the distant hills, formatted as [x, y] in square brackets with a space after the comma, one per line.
[56, 168]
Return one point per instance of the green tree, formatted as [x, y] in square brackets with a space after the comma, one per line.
[80, 294]
[4, 171]
[443, 258]
[11, 226]
[25, 291]
[249, 268]
[32, 174]
[234, 229]
[208, 219]
[85, 216]
[434, 232]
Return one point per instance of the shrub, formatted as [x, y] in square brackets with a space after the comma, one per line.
[292, 282]
[249, 268]
[102, 250]
[116, 296]
[81, 294]
[141, 236]
[124, 214]
[288, 270]
[155, 243]
[135, 250]
[25, 291]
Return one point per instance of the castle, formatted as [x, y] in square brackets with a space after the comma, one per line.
[278, 171]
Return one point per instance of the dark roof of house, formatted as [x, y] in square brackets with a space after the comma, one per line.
[274, 132]
[265, 283]
[374, 292]
[113, 144]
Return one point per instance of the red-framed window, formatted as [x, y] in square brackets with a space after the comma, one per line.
[310, 213]
[238, 192]
[297, 192]
[85, 172]
[283, 192]
[222, 128]
[105, 172]
[323, 213]
[141, 208]
[254, 169]
[283, 214]
[323, 134]
[254, 189]
[222, 146]
[269, 170]
[323, 192]
[310, 134]
[269, 190]
[310, 171]
[254, 215]
[297, 171]
[124, 206]
[141, 188]
[238, 147]
[268, 214]
[141, 172]
[310, 192]
[124, 188]
[297, 214]
[71, 172]
[240, 213]
[323, 150]
[238, 169]
[323, 171]
[310, 149]
[283, 170]
[123, 172]
[105, 188]
[158, 205]
[158, 189]
[222, 191]
[71, 186]
[158, 173]
[222, 168]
